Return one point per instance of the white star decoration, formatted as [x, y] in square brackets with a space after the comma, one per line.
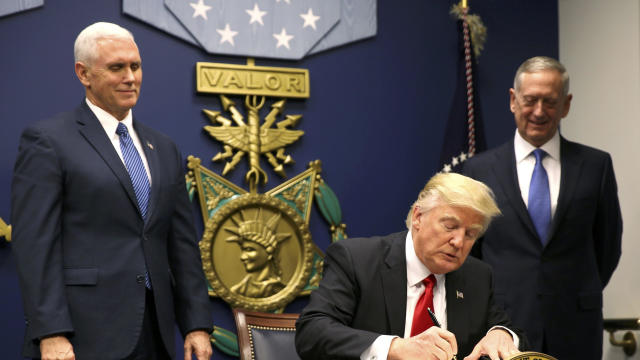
[455, 161]
[283, 39]
[256, 14]
[309, 19]
[200, 9]
[227, 35]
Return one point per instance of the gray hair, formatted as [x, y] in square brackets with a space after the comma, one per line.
[84, 49]
[542, 63]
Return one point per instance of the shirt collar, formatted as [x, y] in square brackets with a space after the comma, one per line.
[416, 270]
[108, 121]
[523, 149]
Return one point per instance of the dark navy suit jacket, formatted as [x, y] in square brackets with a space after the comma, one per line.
[81, 244]
[363, 294]
[554, 292]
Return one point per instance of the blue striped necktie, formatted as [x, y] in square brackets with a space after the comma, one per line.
[135, 167]
[539, 197]
[138, 175]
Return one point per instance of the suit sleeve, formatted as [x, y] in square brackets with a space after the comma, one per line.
[323, 329]
[36, 206]
[607, 227]
[192, 306]
[497, 316]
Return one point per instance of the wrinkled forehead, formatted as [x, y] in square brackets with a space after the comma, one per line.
[548, 80]
[464, 216]
[109, 44]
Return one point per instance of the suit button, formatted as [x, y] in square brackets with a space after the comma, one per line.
[140, 279]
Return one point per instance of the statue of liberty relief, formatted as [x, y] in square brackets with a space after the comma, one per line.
[259, 244]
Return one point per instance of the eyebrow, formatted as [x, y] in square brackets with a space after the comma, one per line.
[455, 218]
[450, 217]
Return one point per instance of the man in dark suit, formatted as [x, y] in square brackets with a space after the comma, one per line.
[368, 304]
[103, 229]
[559, 241]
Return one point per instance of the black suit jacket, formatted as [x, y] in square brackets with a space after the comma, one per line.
[363, 294]
[81, 244]
[554, 292]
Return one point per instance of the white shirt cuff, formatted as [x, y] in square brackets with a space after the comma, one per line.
[379, 349]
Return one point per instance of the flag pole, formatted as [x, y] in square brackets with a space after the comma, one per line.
[464, 4]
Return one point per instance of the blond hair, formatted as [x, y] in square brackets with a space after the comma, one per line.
[456, 190]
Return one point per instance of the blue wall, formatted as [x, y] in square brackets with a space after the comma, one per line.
[375, 118]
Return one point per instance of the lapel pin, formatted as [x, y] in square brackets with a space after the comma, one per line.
[459, 294]
[150, 145]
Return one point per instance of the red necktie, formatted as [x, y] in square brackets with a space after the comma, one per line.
[421, 319]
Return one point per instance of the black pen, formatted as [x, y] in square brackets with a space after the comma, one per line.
[437, 323]
[433, 318]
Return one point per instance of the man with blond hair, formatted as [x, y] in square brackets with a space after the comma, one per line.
[103, 228]
[376, 293]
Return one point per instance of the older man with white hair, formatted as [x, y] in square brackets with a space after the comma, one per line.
[103, 230]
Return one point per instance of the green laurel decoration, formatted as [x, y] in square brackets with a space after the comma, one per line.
[330, 208]
[225, 341]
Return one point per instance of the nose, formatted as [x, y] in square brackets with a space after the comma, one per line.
[457, 238]
[538, 108]
[128, 75]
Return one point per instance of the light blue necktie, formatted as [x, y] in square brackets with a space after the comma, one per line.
[539, 197]
[138, 175]
[136, 169]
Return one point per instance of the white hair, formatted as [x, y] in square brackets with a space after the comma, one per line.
[542, 63]
[84, 49]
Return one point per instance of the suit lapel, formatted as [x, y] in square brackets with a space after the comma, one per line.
[147, 142]
[570, 165]
[394, 284]
[93, 132]
[457, 312]
[506, 173]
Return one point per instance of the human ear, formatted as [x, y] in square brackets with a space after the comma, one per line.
[82, 73]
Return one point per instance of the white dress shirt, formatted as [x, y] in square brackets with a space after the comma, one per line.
[416, 272]
[526, 161]
[110, 123]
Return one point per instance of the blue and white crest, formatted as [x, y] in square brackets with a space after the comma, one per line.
[285, 29]
[257, 28]
[8, 7]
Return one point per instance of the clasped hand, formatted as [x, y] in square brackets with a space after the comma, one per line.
[433, 343]
[436, 343]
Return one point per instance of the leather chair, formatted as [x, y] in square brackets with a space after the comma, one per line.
[266, 336]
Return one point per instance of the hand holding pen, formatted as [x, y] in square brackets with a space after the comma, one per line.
[436, 341]
[437, 324]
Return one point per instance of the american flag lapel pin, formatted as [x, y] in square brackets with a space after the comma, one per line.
[459, 294]
[150, 145]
